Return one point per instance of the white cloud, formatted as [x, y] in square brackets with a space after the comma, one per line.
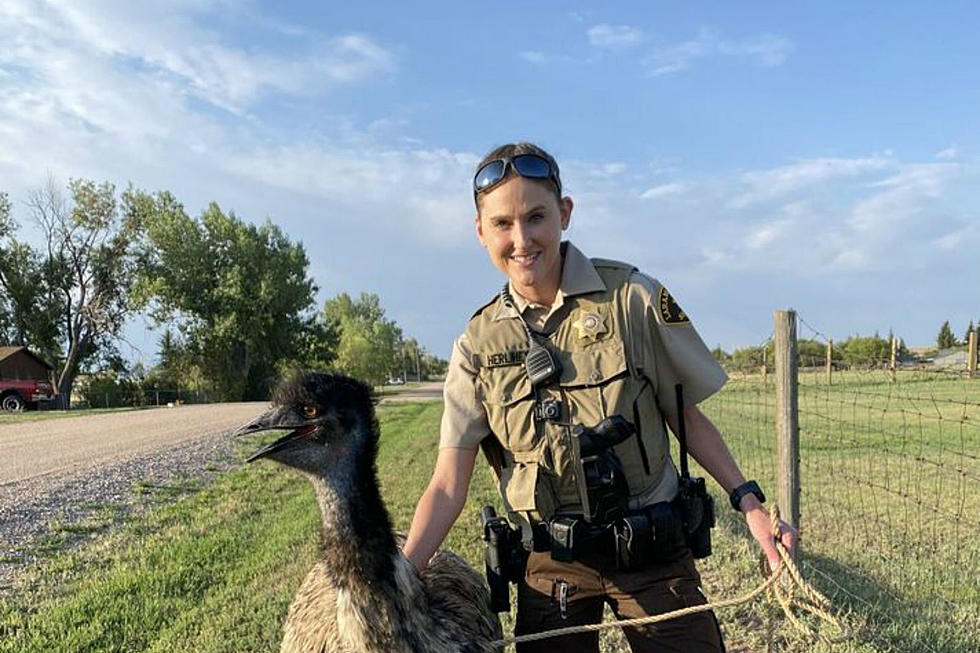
[767, 50]
[766, 234]
[535, 57]
[159, 42]
[775, 182]
[663, 190]
[614, 37]
[109, 88]
[950, 152]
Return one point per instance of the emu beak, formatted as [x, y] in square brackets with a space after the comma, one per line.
[278, 418]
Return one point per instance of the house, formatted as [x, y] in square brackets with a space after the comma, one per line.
[21, 364]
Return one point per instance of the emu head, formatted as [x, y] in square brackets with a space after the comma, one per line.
[330, 419]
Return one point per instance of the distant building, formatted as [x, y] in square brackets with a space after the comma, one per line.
[950, 358]
[21, 364]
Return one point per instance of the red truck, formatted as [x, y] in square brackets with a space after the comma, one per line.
[16, 395]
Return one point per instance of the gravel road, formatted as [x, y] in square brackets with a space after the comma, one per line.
[59, 476]
[428, 391]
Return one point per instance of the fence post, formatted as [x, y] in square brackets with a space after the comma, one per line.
[787, 418]
[971, 364]
[830, 360]
[765, 372]
[893, 364]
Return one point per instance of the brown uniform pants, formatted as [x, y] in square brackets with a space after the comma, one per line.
[589, 584]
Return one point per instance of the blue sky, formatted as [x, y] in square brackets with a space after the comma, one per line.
[751, 156]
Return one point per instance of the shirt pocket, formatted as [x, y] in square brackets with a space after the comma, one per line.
[509, 402]
[594, 383]
[522, 488]
[598, 384]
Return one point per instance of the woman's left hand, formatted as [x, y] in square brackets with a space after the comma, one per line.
[760, 525]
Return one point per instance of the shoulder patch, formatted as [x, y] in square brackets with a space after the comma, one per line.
[670, 312]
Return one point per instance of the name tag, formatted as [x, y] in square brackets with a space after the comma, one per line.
[505, 358]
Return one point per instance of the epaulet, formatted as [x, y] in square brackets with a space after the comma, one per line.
[493, 300]
[610, 263]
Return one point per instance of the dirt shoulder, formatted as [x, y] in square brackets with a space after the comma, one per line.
[67, 479]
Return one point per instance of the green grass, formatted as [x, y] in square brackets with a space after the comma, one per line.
[216, 570]
[890, 500]
[41, 415]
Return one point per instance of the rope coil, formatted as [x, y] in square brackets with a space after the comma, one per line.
[795, 591]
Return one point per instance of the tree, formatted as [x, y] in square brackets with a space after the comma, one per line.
[747, 359]
[412, 354]
[945, 339]
[865, 351]
[370, 346]
[68, 299]
[239, 294]
[721, 356]
[28, 312]
[969, 330]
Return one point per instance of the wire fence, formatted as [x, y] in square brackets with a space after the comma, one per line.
[889, 488]
[137, 397]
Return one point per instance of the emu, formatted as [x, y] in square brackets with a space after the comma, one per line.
[363, 595]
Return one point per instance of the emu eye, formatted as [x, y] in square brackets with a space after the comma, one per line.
[309, 412]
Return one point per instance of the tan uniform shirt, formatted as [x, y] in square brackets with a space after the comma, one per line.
[668, 353]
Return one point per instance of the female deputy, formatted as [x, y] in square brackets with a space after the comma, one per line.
[620, 346]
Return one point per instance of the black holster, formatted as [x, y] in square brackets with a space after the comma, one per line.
[698, 513]
[504, 556]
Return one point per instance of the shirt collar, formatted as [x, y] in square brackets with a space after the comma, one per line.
[578, 277]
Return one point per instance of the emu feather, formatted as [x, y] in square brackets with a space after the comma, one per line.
[363, 595]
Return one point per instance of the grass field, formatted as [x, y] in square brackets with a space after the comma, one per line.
[890, 500]
[216, 570]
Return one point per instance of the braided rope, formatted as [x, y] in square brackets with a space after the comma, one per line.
[808, 599]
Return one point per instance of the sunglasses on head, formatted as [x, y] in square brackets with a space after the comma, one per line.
[531, 166]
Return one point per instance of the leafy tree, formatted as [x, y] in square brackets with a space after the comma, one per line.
[747, 359]
[969, 330]
[433, 366]
[865, 351]
[945, 339]
[370, 345]
[239, 293]
[28, 311]
[68, 298]
[412, 354]
[721, 355]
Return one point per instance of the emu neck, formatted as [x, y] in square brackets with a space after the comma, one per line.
[357, 538]
[377, 588]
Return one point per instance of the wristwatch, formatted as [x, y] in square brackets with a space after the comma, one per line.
[749, 487]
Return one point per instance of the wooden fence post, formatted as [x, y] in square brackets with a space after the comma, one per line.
[893, 363]
[787, 418]
[765, 370]
[830, 360]
[971, 364]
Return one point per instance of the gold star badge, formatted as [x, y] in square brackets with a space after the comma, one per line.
[590, 326]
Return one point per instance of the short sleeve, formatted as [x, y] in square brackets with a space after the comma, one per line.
[464, 422]
[668, 348]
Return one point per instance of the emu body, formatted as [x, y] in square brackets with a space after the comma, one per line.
[363, 595]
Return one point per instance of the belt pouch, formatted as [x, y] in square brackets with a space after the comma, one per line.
[668, 531]
[563, 539]
[634, 540]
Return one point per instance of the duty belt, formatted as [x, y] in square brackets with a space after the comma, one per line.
[651, 534]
